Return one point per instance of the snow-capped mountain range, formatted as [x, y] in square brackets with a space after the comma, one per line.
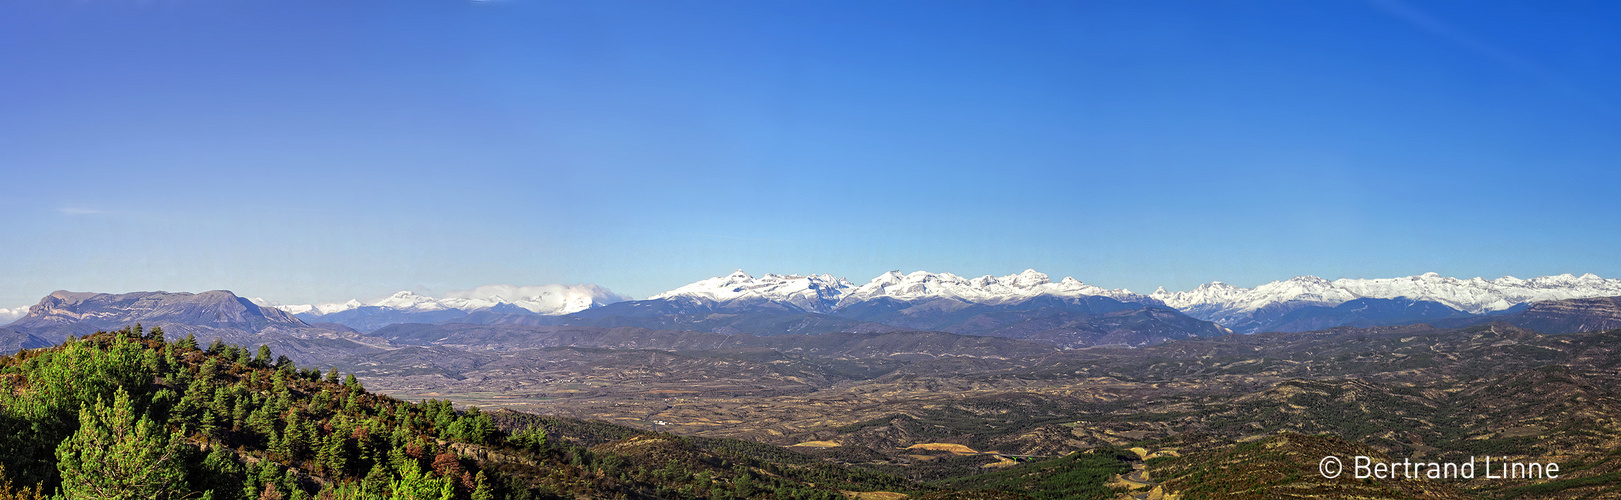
[816, 293]
[1243, 309]
[1215, 301]
[1278, 304]
[1475, 295]
[822, 293]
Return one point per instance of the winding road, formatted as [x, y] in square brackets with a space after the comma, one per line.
[1136, 476]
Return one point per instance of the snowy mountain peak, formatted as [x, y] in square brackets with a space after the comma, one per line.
[1216, 285]
[1030, 278]
[890, 277]
[411, 301]
[816, 292]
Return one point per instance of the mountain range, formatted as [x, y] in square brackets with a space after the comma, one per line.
[1066, 313]
[1258, 309]
[822, 302]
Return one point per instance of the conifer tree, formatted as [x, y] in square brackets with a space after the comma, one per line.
[115, 456]
[263, 359]
[334, 455]
[482, 491]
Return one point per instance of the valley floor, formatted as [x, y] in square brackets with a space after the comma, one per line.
[1203, 405]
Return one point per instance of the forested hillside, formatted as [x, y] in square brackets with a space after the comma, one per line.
[130, 414]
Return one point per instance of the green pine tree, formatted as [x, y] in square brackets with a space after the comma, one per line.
[115, 456]
[482, 491]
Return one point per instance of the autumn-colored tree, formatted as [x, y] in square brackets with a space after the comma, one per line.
[446, 464]
[270, 492]
[10, 492]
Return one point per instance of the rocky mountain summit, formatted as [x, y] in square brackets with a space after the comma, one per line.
[217, 308]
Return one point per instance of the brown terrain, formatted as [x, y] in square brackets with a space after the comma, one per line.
[911, 408]
[1229, 416]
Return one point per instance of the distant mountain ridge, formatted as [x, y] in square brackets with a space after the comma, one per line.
[217, 308]
[1012, 305]
[1064, 322]
[1055, 322]
[822, 294]
[1424, 297]
[1556, 316]
[1026, 305]
[211, 315]
[1251, 310]
[825, 294]
[1298, 304]
[1362, 312]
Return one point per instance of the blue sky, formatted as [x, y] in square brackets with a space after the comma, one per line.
[317, 151]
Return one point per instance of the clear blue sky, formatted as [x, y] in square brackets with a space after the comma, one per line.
[318, 150]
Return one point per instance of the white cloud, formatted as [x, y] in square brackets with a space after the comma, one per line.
[9, 315]
[544, 299]
[511, 292]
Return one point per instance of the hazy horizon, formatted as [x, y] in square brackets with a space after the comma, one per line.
[6, 314]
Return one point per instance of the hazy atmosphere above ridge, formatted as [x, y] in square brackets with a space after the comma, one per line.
[314, 152]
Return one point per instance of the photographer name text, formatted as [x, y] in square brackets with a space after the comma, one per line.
[1366, 467]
